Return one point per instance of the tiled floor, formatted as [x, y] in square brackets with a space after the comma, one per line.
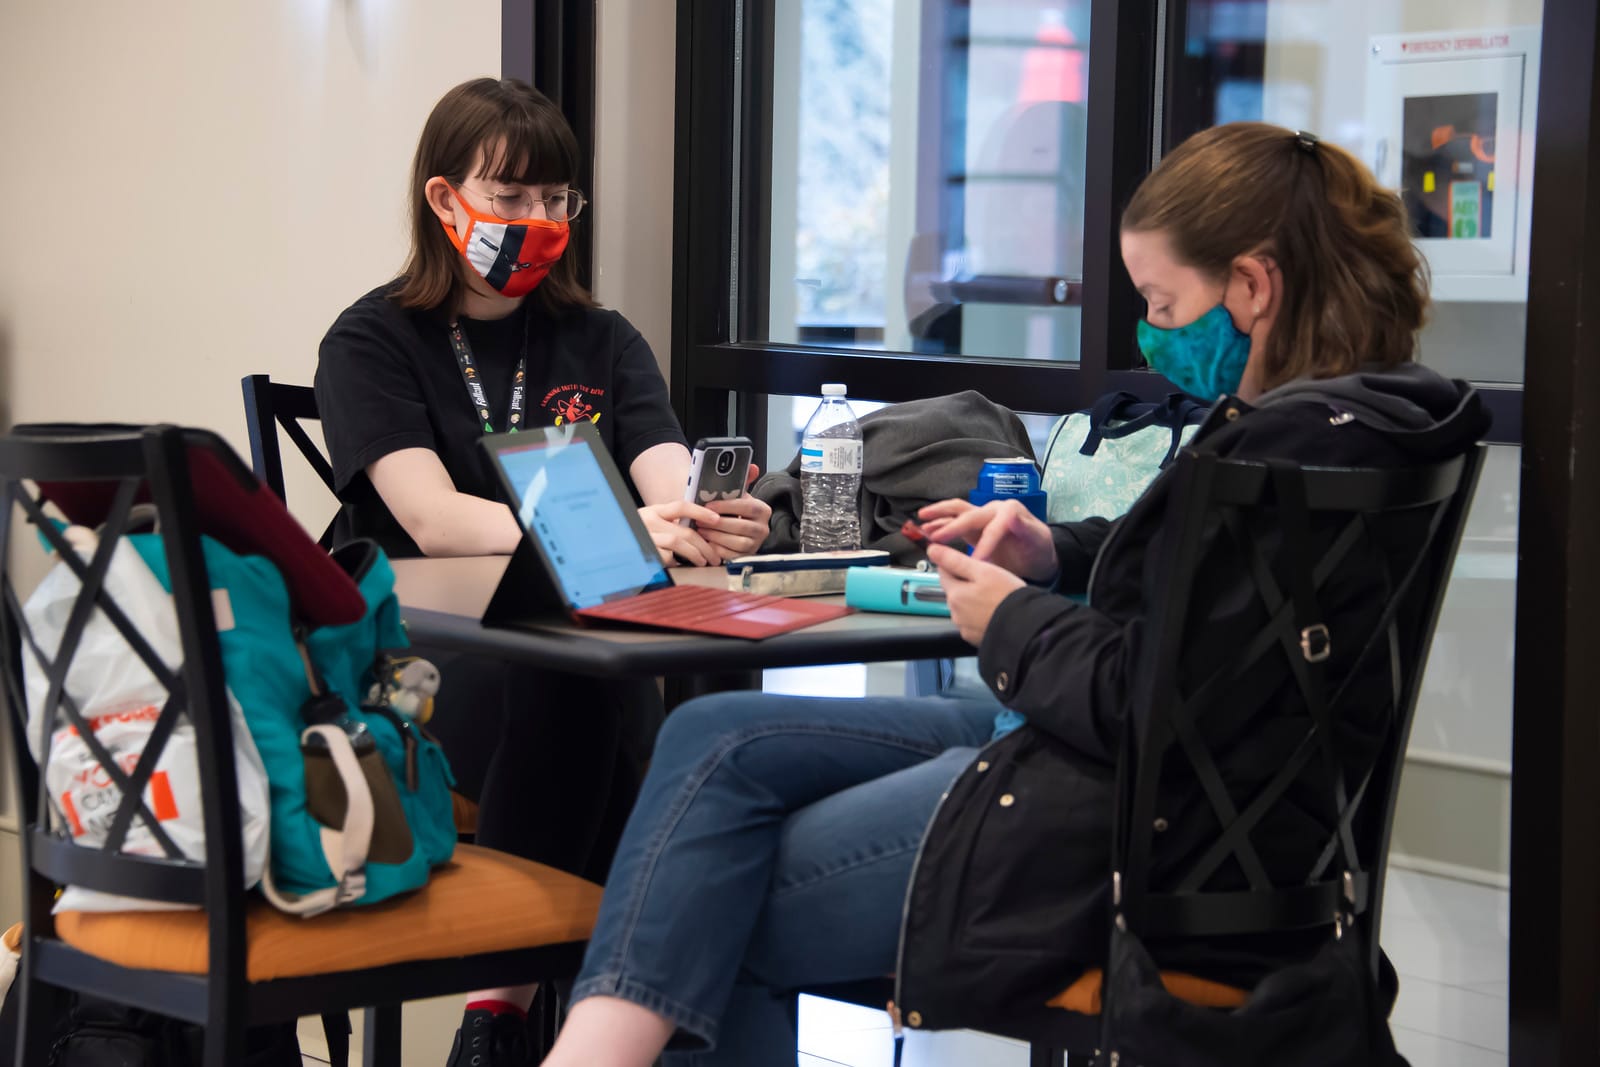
[1447, 940]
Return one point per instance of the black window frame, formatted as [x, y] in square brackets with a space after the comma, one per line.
[720, 376]
[722, 373]
[551, 45]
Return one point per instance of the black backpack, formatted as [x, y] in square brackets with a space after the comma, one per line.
[98, 1033]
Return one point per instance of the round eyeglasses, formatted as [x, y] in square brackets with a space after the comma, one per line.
[558, 207]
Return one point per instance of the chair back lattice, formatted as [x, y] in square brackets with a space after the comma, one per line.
[1345, 573]
[270, 407]
[99, 475]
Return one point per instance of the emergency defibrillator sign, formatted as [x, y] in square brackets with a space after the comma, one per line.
[1450, 119]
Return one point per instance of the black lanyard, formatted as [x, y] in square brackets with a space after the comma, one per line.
[469, 375]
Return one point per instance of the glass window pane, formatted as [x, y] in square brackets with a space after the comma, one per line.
[927, 175]
[1438, 97]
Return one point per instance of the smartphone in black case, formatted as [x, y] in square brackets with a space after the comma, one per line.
[718, 470]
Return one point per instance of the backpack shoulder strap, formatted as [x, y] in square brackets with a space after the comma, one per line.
[346, 848]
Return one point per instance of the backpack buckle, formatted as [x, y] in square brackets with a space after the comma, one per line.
[1316, 644]
[352, 886]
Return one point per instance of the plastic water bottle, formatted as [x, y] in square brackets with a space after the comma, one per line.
[830, 476]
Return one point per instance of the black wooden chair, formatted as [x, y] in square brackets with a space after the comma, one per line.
[484, 919]
[1288, 528]
[270, 408]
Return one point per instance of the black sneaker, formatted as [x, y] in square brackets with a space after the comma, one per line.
[489, 1040]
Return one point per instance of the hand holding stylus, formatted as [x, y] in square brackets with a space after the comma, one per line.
[1003, 532]
[973, 590]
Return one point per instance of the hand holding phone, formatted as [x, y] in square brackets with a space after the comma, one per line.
[718, 471]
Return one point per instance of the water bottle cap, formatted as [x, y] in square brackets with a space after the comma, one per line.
[833, 389]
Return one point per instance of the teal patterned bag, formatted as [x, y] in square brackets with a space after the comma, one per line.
[1099, 461]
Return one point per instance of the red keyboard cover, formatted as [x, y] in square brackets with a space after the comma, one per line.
[723, 612]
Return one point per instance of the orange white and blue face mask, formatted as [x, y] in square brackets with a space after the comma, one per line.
[514, 255]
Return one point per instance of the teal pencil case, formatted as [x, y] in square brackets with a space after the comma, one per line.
[897, 589]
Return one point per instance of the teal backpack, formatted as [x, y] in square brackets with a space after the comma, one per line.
[336, 753]
[320, 710]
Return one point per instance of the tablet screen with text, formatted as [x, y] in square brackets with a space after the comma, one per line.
[566, 502]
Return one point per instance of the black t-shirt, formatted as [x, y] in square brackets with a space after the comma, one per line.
[388, 379]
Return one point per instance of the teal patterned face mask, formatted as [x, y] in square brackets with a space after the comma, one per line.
[1205, 358]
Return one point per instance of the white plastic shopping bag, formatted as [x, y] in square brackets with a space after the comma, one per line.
[121, 700]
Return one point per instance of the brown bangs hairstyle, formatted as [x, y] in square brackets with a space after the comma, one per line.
[1355, 289]
[512, 133]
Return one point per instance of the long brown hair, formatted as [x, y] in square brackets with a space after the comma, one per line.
[1355, 289]
[516, 135]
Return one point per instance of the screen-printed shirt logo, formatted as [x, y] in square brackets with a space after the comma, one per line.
[570, 403]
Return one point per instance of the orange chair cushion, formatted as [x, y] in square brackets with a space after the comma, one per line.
[1083, 996]
[482, 901]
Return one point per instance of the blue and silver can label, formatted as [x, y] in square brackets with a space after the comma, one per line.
[1008, 477]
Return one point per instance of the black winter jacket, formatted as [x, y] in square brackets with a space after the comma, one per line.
[1008, 904]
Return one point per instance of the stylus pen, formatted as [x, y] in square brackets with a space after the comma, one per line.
[928, 594]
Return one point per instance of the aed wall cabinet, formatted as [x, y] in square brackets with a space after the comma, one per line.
[1450, 124]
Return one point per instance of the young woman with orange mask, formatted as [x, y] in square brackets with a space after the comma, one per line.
[487, 329]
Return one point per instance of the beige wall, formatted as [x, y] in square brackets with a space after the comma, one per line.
[633, 163]
[248, 167]
[202, 187]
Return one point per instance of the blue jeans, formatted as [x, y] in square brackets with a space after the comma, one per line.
[770, 849]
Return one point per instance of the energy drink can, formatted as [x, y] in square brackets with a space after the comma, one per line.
[1014, 478]
[1008, 477]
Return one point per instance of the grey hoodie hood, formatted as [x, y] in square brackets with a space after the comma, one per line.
[1421, 410]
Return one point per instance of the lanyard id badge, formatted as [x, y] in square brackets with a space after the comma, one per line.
[474, 383]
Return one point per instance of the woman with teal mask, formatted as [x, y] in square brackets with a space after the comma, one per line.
[1205, 356]
[776, 841]
[1211, 307]
[1202, 350]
